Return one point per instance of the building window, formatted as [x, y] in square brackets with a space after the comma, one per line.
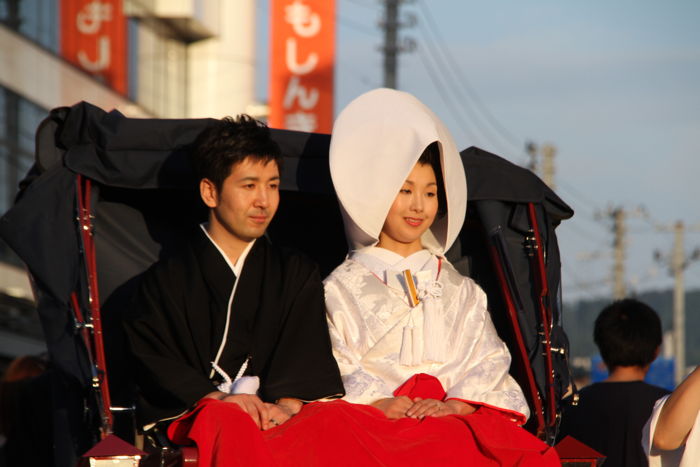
[157, 68]
[37, 20]
[19, 119]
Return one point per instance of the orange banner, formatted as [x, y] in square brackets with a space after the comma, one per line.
[302, 54]
[93, 37]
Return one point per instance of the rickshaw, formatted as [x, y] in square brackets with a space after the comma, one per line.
[110, 195]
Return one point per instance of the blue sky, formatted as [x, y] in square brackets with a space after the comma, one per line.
[615, 86]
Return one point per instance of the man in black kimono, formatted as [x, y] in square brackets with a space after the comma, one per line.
[232, 307]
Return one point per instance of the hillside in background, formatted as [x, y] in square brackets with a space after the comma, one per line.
[579, 317]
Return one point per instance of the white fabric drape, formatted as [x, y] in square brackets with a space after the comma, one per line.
[376, 141]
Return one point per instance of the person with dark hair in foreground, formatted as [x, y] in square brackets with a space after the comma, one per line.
[610, 415]
[229, 336]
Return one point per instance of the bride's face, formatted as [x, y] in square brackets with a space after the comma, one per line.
[412, 213]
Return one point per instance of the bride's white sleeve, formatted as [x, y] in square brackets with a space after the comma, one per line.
[344, 324]
[483, 375]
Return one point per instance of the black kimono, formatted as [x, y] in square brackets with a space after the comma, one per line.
[277, 319]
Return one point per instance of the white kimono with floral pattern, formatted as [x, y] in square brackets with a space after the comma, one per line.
[367, 313]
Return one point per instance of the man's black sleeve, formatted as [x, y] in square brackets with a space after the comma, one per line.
[302, 364]
[167, 372]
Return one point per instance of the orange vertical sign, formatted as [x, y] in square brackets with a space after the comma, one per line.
[302, 58]
[93, 37]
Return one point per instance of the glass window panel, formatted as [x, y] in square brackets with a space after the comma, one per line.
[38, 20]
[133, 57]
[3, 117]
[160, 70]
[4, 162]
[19, 119]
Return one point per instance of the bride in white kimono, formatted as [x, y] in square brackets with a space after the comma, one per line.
[412, 337]
[390, 205]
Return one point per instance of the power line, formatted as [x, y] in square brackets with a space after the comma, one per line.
[515, 141]
[586, 234]
[356, 26]
[590, 204]
[449, 103]
[372, 6]
[581, 285]
[453, 83]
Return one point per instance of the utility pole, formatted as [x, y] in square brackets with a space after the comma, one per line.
[548, 153]
[545, 169]
[531, 149]
[619, 244]
[391, 46]
[677, 266]
[678, 262]
[619, 218]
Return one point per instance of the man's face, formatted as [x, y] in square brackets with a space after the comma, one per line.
[248, 198]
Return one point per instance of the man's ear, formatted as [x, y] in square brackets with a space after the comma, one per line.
[207, 190]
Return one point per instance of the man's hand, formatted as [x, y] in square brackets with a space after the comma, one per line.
[277, 415]
[394, 407]
[264, 414]
[253, 406]
[434, 408]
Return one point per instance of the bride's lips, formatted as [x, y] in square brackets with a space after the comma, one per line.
[413, 221]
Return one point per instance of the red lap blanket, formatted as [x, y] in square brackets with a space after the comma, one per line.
[343, 434]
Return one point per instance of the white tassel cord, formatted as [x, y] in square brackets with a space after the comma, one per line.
[434, 348]
[228, 383]
[406, 354]
[431, 348]
[241, 384]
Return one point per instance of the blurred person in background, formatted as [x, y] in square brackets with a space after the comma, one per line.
[24, 413]
[610, 415]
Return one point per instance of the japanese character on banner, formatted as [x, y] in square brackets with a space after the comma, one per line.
[304, 22]
[307, 98]
[89, 20]
[92, 15]
[301, 89]
[301, 121]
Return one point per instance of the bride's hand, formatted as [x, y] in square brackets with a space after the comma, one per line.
[394, 407]
[435, 408]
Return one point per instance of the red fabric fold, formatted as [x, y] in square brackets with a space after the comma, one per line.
[429, 387]
[344, 434]
[224, 434]
[421, 385]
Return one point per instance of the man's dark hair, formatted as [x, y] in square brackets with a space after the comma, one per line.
[628, 333]
[431, 157]
[229, 141]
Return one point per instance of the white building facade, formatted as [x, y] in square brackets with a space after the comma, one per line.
[184, 59]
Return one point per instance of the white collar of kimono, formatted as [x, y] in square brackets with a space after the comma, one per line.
[388, 265]
[236, 268]
[418, 344]
[377, 140]
[240, 384]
